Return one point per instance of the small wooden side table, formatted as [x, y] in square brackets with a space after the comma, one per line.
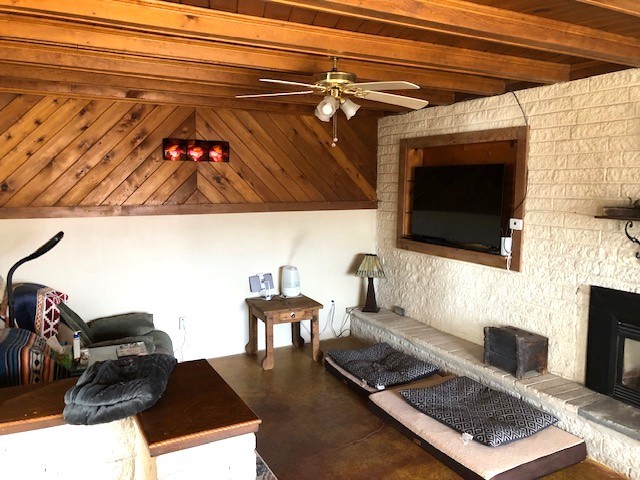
[282, 310]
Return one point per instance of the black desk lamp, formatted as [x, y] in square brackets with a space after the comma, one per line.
[53, 241]
[370, 268]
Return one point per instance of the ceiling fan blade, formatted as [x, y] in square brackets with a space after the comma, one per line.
[287, 82]
[392, 85]
[274, 94]
[401, 101]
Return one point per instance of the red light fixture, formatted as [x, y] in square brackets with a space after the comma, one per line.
[177, 149]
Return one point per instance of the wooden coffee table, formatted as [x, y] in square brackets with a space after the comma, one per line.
[283, 310]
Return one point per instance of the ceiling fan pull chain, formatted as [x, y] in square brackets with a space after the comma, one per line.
[335, 130]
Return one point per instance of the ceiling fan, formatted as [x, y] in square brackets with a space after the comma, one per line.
[337, 87]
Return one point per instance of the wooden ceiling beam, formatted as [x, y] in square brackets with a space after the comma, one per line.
[591, 68]
[481, 22]
[32, 79]
[46, 87]
[117, 87]
[628, 7]
[141, 26]
[212, 73]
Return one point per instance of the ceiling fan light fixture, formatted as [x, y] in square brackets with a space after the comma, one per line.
[321, 116]
[349, 108]
[328, 105]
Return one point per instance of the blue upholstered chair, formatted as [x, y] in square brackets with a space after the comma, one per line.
[25, 357]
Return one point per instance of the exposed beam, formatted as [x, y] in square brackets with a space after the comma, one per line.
[472, 20]
[34, 79]
[191, 31]
[628, 7]
[45, 87]
[284, 64]
[127, 210]
[591, 68]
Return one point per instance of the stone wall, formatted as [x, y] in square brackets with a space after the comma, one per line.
[584, 153]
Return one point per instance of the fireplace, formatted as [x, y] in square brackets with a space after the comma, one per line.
[613, 344]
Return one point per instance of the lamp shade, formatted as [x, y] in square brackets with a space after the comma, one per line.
[349, 108]
[328, 106]
[322, 116]
[370, 267]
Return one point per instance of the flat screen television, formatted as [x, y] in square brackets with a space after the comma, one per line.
[458, 206]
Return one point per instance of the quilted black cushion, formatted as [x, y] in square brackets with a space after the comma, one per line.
[115, 389]
[381, 366]
[493, 418]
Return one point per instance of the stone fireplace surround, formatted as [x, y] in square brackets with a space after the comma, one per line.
[610, 428]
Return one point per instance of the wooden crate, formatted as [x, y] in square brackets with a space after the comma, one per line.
[515, 350]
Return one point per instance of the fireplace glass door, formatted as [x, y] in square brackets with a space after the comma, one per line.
[631, 364]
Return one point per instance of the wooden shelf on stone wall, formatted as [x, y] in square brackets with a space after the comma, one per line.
[626, 214]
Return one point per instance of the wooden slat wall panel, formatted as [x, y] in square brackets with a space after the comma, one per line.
[118, 120]
[134, 179]
[59, 155]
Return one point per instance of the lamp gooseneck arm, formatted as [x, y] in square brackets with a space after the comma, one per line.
[52, 242]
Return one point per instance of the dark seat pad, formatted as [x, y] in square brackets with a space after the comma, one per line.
[382, 366]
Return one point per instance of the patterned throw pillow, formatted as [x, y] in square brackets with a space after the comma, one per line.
[493, 418]
[381, 366]
[36, 308]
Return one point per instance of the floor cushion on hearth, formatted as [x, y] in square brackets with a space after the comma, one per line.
[380, 366]
[491, 417]
[546, 451]
[361, 387]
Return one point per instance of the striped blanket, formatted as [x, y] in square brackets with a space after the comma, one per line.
[26, 358]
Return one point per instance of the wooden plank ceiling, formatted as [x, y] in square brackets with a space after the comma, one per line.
[88, 89]
[204, 52]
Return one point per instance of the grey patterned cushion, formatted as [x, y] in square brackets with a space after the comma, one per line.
[381, 366]
[493, 418]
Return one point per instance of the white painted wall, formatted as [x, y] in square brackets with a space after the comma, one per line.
[195, 266]
[584, 154]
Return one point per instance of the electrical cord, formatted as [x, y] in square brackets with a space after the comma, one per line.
[343, 326]
[526, 120]
[526, 178]
[329, 321]
[179, 354]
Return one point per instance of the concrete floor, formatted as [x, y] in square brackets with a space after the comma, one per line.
[315, 428]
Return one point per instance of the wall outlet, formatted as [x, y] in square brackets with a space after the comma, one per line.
[515, 223]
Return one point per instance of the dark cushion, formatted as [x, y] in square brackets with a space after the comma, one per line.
[125, 325]
[116, 389]
[162, 342]
[493, 418]
[76, 324]
[381, 366]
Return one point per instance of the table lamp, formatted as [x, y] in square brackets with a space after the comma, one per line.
[370, 268]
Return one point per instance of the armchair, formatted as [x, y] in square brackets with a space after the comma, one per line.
[25, 357]
[118, 329]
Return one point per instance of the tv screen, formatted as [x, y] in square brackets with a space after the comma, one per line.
[459, 206]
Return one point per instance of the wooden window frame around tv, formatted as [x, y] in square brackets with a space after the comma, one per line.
[503, 145]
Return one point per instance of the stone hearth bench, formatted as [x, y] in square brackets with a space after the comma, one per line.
[199, 425]
[610, 428]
